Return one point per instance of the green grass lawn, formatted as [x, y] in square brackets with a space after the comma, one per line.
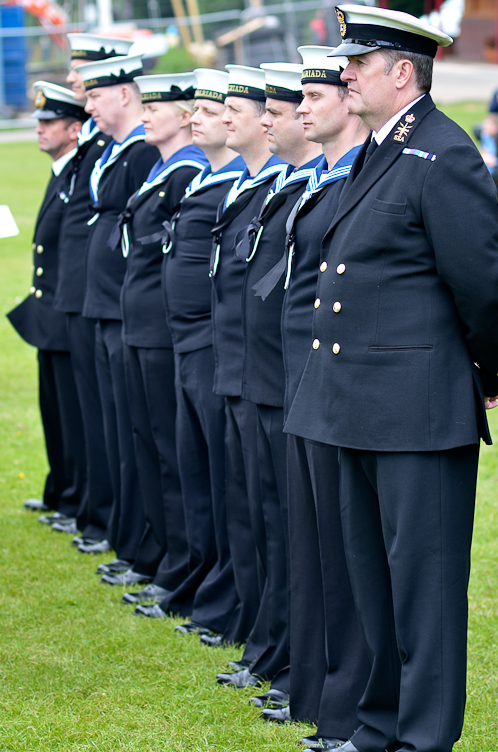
[77, 670]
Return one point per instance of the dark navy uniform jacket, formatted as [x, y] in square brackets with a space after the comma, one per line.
[74, 230]
[105, 268]
[185, 273]
[227, 285]
[142, 307]
[35, 319]
[310, 224]
[263, 378]
[412, 264]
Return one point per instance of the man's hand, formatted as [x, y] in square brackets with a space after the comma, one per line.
[490, 402]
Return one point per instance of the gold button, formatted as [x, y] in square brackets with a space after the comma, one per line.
[39, 249]
[39, 271]
[32, 290]
[316, 344]
[336, 348]
[38, 294]
[341, 269]
[317, 303]
[336, 307]
[161, 194]
[101, 142]
[323, 266]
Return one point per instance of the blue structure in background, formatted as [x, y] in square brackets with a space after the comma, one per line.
[13, 58]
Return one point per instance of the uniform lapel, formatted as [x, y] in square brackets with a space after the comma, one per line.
[360, 182]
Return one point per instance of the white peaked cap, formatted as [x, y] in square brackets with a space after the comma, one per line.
[93, 47]
[52, 101]
[166, 87]
[366, 29]
[246, 82]
[283, 81]
[211, 84]
[319, 67]
[115, 70]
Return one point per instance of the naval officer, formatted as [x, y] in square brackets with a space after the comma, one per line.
[60, 117]
[397, 376]
[93, 516]
[115, 104]
[263, 381]
[200, 418]
[148, 347]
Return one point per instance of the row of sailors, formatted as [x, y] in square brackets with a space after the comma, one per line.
[177, 254]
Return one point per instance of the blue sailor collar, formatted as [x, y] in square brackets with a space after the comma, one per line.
[273, 167]
[88, 130]
[187, 156]
[109, 157]
[296, 174]
[231, 171]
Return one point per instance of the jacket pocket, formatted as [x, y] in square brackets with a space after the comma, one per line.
[400, 348]
[386, 207]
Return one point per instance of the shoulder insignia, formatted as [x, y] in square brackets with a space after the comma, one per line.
[421, 154]
[410, 118]
[402, 131]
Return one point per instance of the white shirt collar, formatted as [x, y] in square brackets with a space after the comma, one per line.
[387, 128]
[60, 163]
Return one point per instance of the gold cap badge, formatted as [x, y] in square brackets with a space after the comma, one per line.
[40, 98]
[342, 21]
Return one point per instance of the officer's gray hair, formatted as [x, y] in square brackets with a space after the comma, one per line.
[422, 66]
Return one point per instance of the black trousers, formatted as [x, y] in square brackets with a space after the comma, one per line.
[272, 460]
[150, 380]
[407, 520]
[63, 430]
[93, 515]
[200, 436]
[126, 522]
[244, 516]
[329, 666]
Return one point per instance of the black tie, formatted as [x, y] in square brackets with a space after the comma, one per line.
[372, 146]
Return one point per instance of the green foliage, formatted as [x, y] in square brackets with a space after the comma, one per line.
[78, 671]
[176, 60]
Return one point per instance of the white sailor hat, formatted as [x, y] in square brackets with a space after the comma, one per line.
[365, 29]
[320, 67]
[115, 70]
[52, 101]
[283, 81]
[246, 82]
[211, 84]
[93, 47]
[166, 87]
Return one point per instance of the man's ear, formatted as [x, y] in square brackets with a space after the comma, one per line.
[73, 131]
[404, 73]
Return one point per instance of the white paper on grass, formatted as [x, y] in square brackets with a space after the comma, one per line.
[8, 227]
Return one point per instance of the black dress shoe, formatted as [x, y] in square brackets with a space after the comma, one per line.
[191, 627]
[151, 593]
[274, 698]
[239, 679]
[125, 578]
[347, 747]
[51, 519]
[279, 715]
[94, 547]
[213, 640]
[320, 743]
[36, 505]
[151, 612]
[114, 567]
[67, 525]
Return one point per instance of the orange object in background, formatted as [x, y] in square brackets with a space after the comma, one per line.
[47, 14]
